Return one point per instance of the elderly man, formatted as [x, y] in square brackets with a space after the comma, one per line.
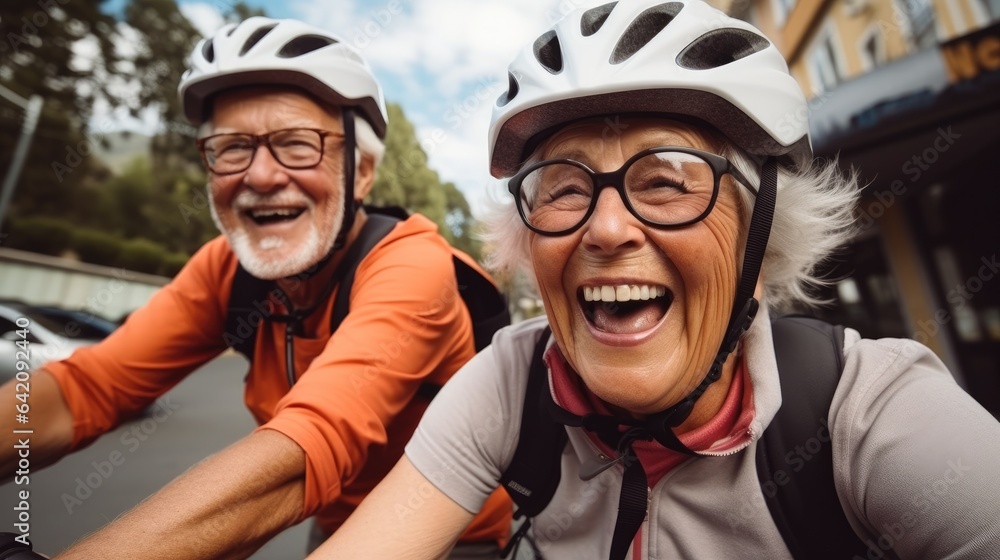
[291, 125]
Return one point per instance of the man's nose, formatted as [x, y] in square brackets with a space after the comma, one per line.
[265, 172]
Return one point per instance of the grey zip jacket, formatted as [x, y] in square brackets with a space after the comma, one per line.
[916, 460]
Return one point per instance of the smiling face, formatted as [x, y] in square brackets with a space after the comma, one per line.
[279, 221]
[638, 311]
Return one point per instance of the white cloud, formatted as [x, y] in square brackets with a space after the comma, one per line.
[206, 18]
[464, 46]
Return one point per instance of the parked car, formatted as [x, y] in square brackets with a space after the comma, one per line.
[52, 334]
[78, 325]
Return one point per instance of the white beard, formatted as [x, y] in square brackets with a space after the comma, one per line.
[270, 258]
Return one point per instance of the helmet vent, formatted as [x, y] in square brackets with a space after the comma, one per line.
[304, 44]
[720, 47]
[549, 53]
[592, 20]
[512, 89]
[255, 37]
[642, 30]
[208, 50]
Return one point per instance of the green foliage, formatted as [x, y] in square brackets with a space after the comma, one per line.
[160, 61]
[37, 58]
[39, 234]
[158, 200]
[404, 179]
[96, 247]
[172, 263]
[141, 255]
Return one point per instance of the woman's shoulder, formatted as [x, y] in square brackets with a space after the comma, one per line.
[896, 386]
[505, 363]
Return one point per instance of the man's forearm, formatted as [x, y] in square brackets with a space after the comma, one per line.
[225, 507]
[48, 422]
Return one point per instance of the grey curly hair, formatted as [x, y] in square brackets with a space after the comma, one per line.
[813, 217]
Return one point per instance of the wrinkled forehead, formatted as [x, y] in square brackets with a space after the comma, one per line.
[625, 135]
[258, 105]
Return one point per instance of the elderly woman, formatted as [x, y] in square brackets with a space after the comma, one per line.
[648, 148]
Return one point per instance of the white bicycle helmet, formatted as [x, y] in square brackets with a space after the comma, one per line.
[679, 57]
[262, 51]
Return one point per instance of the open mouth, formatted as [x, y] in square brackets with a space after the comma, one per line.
[625, 309]
[268, 216]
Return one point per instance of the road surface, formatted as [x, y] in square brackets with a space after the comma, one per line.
[86, 490]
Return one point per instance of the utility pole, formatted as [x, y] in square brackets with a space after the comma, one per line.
[32, 109]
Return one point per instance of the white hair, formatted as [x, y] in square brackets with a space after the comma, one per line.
[367, 141]
[813, 217]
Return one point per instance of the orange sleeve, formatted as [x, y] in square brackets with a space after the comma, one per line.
[407, 325]
[179, 329]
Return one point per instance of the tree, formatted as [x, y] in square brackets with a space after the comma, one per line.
[39, 45]
[176, 212]
[404, 179]
[166, 41]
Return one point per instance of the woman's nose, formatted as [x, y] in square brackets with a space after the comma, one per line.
[612, 227]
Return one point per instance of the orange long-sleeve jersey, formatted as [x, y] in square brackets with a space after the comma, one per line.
[354, 404]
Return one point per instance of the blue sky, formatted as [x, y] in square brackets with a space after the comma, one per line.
[432, 56]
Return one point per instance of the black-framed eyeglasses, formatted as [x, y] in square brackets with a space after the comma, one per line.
[666, 187]
[294, 148]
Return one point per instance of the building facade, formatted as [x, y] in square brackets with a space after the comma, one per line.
[907, 93]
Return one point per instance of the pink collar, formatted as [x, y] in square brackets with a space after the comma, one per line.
[727, 431]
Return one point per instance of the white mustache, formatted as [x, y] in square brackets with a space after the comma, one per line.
[248, 199]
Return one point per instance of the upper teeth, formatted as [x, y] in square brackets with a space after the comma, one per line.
[622, 293]
[263, 213]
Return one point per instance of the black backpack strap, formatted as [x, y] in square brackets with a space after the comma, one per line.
[248, 307]
[376, 227]
[533, 475]
[487, 305]
[795, 455]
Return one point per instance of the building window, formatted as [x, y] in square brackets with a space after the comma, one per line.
[993, 8]
[825, 68]
[916, 17]
[781, 10]
[871, 47]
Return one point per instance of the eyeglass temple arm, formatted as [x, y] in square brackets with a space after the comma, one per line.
[738, 175]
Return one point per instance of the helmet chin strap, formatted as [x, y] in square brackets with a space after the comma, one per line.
[659, 426]
[744, 309]
[350, 204]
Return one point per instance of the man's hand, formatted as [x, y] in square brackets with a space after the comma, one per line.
[227, 506]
